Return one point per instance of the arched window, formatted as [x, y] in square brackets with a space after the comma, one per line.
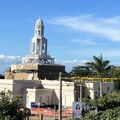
[38, 32]
[33, 47]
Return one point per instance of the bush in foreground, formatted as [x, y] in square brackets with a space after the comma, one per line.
[108, 108]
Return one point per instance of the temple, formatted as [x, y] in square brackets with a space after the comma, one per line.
[38, 64]
[38, 47]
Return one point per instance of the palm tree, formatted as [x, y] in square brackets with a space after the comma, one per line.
[99, 66]
[81, 71]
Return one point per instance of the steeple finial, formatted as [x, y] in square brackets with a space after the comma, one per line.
[39, 23]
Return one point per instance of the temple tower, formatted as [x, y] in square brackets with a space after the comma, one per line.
[38, 64]
[38, 47]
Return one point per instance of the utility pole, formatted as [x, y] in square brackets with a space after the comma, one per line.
[60, 97]
[54, 105]
[81, 91]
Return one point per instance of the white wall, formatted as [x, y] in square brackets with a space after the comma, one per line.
[94, 88]
[18, 87]
[28, 90]
[67, 90]
[39, 96]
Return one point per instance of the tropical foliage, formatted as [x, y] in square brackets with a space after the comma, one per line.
[81, 71]
[10, 107]
[99, 66]
[114, 72]
[108, 108]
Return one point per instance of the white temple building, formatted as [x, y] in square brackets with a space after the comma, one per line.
[38, 47]
[38, 64]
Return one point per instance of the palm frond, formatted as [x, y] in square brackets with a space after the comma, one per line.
[99, 65]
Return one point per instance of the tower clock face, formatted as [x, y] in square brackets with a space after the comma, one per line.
[33, 47]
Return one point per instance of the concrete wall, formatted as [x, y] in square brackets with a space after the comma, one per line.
[21, 76]
[6, 85]
[67, 90]
[19, 87]
[93, 89]
[24, 67]
[39, 96]
[47, 91]
[24, 71]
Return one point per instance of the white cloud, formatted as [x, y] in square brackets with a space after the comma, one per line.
[84, 61]
[69, 64]
[13, 58]
[9, 59]
[104, 27]
[85, 42]
[6, 61]
[113, 20]
[112, 53]
[2, 56]
[74, 62]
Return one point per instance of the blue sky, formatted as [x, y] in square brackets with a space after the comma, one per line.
[76, 29]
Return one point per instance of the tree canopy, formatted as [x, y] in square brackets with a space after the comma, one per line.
[108, 108]
[99, 66]
[81, 71]
[10, 108]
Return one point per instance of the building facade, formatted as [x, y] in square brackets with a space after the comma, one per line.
[38, 64]
[47, 91]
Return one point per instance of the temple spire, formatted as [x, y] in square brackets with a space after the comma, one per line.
[39, 28]
[38, 47]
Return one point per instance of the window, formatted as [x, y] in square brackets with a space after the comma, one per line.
[33, 47]
[38, 32]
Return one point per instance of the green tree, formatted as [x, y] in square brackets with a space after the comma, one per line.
[10, 107]
[81, 71]
[99, 66]
[108, 108]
